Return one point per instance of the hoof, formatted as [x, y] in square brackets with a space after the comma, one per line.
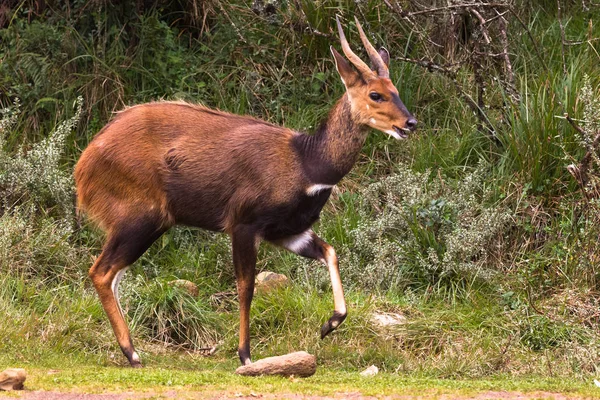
[332, 324]
[132, 357]
[244, 357]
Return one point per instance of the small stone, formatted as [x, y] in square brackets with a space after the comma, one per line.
[387, 320]
[371, 371]
[186, 285]
[12, 379]
[268, 281]
[299, 364]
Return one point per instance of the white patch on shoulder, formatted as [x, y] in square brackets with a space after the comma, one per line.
[297, 243]
[257, 241]
[373, 121]
[316, 188]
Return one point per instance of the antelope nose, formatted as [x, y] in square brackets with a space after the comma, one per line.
[411, 124]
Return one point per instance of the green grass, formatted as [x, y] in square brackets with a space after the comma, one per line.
[215, 377]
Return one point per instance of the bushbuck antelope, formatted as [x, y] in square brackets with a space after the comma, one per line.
[165, 163]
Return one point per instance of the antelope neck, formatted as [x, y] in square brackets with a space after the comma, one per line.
[331, 152]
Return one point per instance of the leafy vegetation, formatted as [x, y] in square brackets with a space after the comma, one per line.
[473, 229]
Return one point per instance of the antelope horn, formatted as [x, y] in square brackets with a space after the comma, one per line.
[362, 67]
[382, 69]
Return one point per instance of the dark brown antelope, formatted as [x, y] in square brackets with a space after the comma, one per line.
[165, 163]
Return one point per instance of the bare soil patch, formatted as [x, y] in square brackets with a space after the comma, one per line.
[487, 395]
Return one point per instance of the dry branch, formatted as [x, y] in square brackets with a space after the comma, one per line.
[581, 172]
[459, 6]
[473, 105]
[562, 36]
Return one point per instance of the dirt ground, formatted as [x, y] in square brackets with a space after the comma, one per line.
[488, 395]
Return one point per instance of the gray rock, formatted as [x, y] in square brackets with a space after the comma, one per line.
[188, 286]
[387, 320]
[299, 363]
[12, 379]
[268, 281]
[371, 371]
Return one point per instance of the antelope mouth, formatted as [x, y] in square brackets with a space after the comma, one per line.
[400, 133]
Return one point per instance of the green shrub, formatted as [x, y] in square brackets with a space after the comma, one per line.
[417, 229]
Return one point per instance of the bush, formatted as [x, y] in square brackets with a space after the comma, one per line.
[36, 216]
[35, 176]
[417, 229]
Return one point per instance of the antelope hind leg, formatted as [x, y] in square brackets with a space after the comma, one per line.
[123, 247]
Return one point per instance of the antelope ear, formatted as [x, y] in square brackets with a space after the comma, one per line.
[385, 56]
[348, 75]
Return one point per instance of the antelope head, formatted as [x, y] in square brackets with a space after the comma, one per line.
[373, 97]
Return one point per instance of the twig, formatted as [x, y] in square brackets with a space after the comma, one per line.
[431, 67]
[499, 15]
[504, 39]
[235, 28]
[562, 36]
[533, 307]
[455, 6]
[574, 124]
[533, 41]
[501, 359]
[508, 70]
[482, 22]
[580, 172]
[308, 27]
[405, 15]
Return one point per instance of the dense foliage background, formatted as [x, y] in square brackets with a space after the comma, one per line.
[474, 229]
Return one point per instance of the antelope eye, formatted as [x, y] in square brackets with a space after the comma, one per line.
[375, 96]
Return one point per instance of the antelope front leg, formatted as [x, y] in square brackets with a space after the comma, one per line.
[339, 303]
[244, 246]
[308, 244]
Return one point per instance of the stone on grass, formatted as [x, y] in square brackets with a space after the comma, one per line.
[299, 363]
[268, 281]
[189, 287]
[12, 379]
[387, 320]
[371, 371]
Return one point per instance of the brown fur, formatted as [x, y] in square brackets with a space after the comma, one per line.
[129, 166]
[166, 163]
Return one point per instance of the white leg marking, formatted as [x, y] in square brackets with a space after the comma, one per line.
[339, 303]
[115, 287]
[316, 188]
[297, 243]
[135, 357]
